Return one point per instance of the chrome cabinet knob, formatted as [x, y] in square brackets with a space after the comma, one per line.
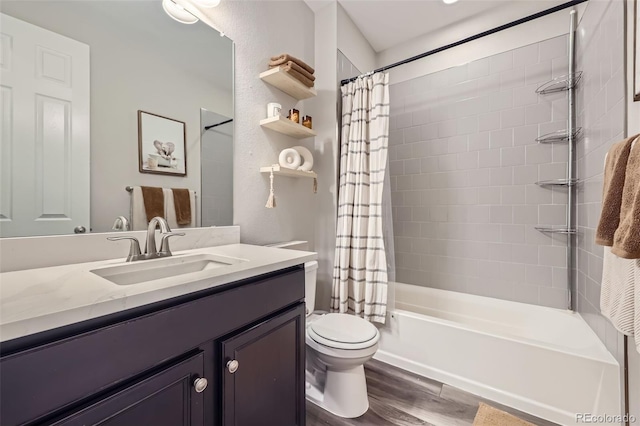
[232, 366]
[80, 229]
[200, 384]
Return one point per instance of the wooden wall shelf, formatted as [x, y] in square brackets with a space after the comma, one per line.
[279, 78]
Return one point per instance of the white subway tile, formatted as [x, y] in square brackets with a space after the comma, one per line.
[512, 233]
[457, 144]
[536, 195]
[551, 214]
[525, 135]
[468, 160]
[538, 73]
[467, 125]
[513, 195]
[412, 134]
[478, 68]
[489, 195]
[447, 128]
[479, 141]
[553, 48]
[538, 154]
[527, 55]
[512, 78]
[447, 162]
[403, 120]
[501, 176]
[501, 214]
[512, 117]
[501, 138]
[501, 62]
[525, 215]
[538, 113]
[525, 174]
[553, 256]
[525, 95]
[513, 156]
[501, 100]
[489, 121]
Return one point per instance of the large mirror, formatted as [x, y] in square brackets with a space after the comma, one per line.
[98, 96]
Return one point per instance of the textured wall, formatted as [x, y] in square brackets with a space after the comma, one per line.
[463, 164]
[261, 29]
[601, 114]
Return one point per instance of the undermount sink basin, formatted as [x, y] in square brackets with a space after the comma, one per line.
[155, 269]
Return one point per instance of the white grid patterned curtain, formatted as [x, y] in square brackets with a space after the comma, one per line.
[360, 269]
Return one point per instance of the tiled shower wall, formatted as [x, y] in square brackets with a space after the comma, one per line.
[601, 114]
[463, 164]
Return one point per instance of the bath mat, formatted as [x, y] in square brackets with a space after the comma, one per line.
[489, 416]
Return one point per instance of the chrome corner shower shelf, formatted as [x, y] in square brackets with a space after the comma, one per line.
[569, 135]
[559, 136]
[560, 84]
[556, 230]
[558, 182]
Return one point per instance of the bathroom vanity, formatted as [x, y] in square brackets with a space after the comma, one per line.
[229, 350]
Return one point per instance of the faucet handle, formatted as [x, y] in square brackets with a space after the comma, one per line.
[134, 249]
[164, 242]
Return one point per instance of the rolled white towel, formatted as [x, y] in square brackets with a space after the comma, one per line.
[307, 157]
[290, 159]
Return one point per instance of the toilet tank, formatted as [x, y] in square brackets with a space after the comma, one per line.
[310, 273]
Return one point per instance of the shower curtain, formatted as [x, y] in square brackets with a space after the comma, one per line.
[360, 268]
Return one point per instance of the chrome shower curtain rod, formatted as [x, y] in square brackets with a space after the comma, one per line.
[472, 38]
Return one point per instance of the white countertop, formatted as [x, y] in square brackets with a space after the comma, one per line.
[37, 300]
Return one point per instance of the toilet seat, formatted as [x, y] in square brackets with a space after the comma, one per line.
[342, 331]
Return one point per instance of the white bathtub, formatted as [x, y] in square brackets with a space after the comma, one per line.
[543, 361]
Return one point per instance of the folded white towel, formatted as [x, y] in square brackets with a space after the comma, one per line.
[290, 158]
[307, 158]
[138, 212]
[620, 294]
[170, 209]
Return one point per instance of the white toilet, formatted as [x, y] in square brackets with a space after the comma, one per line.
[337, 347]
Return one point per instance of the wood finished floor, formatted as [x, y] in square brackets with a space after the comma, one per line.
[400, 398]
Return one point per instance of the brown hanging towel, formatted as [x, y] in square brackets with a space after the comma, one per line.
[182, 203]
[153, 201]
[626, 241]
[614, 178]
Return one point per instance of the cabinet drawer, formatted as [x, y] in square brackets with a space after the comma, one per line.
[69, 371]
[167, 397]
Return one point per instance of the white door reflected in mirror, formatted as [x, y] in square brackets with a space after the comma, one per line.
[45, 131]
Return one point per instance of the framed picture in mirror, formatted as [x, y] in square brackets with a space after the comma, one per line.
[161, 145]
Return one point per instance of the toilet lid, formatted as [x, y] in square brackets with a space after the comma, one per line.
[343, 328]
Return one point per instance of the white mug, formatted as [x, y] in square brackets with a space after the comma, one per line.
[273, 109]
[152, 163]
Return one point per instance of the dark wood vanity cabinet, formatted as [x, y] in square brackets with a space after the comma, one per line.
[261, 383]
[229, 356]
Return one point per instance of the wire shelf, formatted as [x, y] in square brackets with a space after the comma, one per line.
[559, 136]
[558, 182]
[556, 230]
[560, 84]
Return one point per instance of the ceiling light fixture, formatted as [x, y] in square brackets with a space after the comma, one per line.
[207, 3]
[449, 1]
[178, 12]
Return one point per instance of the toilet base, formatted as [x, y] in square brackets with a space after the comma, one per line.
[344, 393]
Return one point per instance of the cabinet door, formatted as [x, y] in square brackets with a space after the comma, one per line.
[267, 388]
[168, 397]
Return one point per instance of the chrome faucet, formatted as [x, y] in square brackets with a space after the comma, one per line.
[121, 224]
[151, 252]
